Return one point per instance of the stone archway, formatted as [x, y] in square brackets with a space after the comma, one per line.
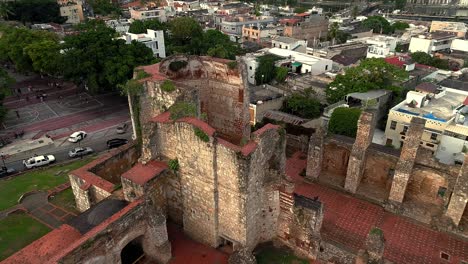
[133, 251]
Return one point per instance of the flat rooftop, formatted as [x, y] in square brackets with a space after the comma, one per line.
[259, 93]
[438, 109]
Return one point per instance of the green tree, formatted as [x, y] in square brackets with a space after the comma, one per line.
[371, 74]
[302, 104]
[281, 74]
[105, 7]
[217, 44]
[266, 70]
[333, 32]
[45, 56]
[421, 57]
[378, 24]
[400, 25]
[5, 10]
[140, 26]
[95, 58]
[400, 4]
[299, 10]
[35, 11]
[5, 89]
[184, 30]
[343, 121]
[355, 11]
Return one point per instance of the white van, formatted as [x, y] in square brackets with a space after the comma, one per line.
[38, 161]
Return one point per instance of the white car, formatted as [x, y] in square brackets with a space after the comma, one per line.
[38, 161]
[78, 152]
[77, 136]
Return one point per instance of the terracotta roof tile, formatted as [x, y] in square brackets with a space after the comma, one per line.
[198, 123]
[142, 173]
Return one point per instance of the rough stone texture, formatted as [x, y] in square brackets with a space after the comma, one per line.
[104, 243]
[218, 92]
[97, 180]
[315, 155]
[334, 253]
[356, 164]
[375, 245]
[457, 204]
[242, 256]
[335, 157]
[405, 165]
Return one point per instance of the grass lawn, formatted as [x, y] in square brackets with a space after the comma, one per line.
[40, 179]
[271, 255]
[17, 231]
[66, 200]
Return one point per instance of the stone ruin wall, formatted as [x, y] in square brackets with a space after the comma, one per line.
[220, 93]
[226, 194]
[106, 168]
[105, 245]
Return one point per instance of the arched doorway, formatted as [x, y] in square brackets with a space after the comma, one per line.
[133, 251]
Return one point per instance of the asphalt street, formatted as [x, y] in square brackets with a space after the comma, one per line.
[96, 141]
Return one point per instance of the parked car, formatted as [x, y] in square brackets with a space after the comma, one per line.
[77, 136]
[79, 152]
[38, 161]
[116, 142]
[4, 171]
[121, 129]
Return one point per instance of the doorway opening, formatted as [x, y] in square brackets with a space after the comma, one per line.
[133, 251]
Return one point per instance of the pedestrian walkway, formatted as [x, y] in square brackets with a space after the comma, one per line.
[38, 206]
[348, 220]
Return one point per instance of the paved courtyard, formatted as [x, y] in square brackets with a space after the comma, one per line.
[348, 220]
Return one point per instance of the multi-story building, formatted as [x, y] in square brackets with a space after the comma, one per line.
[297, 62]
[147, 13]
[152, 39]
[256, 34]
[73, 11]
[459, 28]
[289, 44]
[381, 46]
[446, 113]
[120, 25]
[312, 29]
[433, 42]
[233, 26]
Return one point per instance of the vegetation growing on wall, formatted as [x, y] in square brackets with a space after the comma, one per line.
[303, 104]
[343, 121]
[232, 65]
[141, 74]
[168, 86]
[201, 134]
[173, 165]
[182, 109]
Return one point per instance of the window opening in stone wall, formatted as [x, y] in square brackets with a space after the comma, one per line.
[444, 256]
[391, 173]
[393, 125]
[241, 96]
[405, 129]
[133, 251]
[441, 192]
[433, 136]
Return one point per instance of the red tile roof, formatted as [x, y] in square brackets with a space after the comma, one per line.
[302, 14]
[93, 232]
[132, 4]
[290, 21]
[43, 249]
[142, 173]
[466, 101]
[266, 128]
[162, 118]
[154, 71]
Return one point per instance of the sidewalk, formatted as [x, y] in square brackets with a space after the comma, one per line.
[348, 220]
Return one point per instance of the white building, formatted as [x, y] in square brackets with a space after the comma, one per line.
[381, 47]
[152, 39]
[296, 61]
[459, 45]
[431, 42]
[289, 44]
[120, 25]
[149, 13]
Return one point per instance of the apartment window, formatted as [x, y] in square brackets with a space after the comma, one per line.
[326, 67]
[250, 67]
[405, 129]
[393, 125]
[433, 136]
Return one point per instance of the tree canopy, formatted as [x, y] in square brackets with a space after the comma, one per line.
[371, 74]
[426, 59]
[105, 7]
[140, 26]
[5, 83]
[34, 11]
[343, 121]
[303, 104]
[400, 25]
[266, 70]
[378, 24]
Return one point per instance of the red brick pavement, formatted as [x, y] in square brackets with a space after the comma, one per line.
[348, 220]
[187, 251]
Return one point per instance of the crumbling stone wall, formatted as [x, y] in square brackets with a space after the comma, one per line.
[106, 242]
[335, 157]
[378, 170]
[111, 169]
[459, 198]
[217, 90]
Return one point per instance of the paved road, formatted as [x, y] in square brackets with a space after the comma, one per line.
[96, 141]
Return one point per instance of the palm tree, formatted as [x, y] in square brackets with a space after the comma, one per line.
[5, 10]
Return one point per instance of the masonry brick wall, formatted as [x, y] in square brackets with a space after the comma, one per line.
[111, 169]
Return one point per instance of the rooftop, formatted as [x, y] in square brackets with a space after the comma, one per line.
[287, 40]
[142, 173]
[297, 56]
[439, 108]
[260, 93]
